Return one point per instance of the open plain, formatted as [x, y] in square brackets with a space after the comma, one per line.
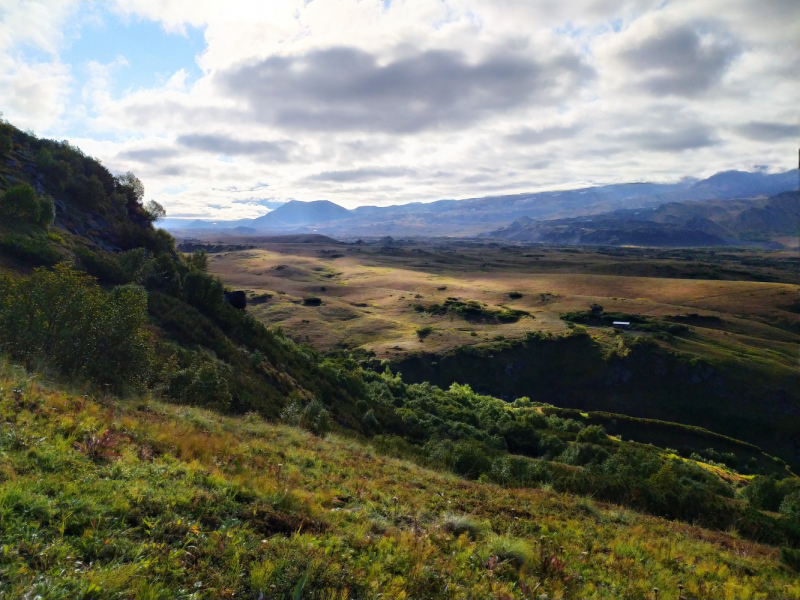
[375, 296]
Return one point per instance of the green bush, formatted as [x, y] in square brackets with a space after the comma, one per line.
[21, 202]
[593, 434]
[197, 261]
[203, 291]
[583, 454]
[32, 250]
[313, 417]
[62, 317]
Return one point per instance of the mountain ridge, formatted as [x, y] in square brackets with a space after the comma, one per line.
[474, 216]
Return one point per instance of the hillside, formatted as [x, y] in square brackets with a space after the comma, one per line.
[106, 499]
[174, 501]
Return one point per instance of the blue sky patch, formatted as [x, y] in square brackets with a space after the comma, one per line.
[153, 55]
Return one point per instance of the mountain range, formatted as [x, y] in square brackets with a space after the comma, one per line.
[492, 213]
[693, 223]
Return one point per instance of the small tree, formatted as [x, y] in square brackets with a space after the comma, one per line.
[132, 187]
[47, 211]
[198, 261]
[155, 211]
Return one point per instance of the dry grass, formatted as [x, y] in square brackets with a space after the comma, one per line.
[368, 295]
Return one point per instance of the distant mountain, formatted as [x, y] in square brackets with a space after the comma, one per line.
[606, 232]
[694, 223]
[478, 215]
[741, 184]
[296, 213]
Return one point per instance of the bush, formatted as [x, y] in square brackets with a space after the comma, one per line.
[197, 261]
[313, 417]
[203, 291]
[33, 250]
[20, 202]
[65, 319]
[791, 558]
[593, 434]
[763, 493]
[790, 507]
[583, 454]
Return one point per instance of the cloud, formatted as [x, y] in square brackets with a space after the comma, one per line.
[365, 103]
[544, 135]
[363, 174]
[147, 155]
[221, 144]
[347, 89]
[684, 60]
[671, 140]
[767, 132]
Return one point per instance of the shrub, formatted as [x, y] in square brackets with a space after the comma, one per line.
[47, 211]
[21, 202]
[763, 493]
[551, 445]
[65, 319]
[33, 250]
[198, 261]
[583, 454]
[791, 558]
[203, 291]
[790, 507]
[207, 387]
[593, 434]
[313, 417]
[424, 331]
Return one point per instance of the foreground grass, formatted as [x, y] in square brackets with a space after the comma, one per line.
[188, 504]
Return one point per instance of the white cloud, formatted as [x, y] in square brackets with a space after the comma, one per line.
[366, 102]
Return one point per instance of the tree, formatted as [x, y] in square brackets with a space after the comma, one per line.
[47, 210]
[155, 211]
[198, 261]
[132, 187]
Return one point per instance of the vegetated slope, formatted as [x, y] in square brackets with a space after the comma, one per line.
[145, 500]
[148, 320]
[606, 232]
[702, 223]
[638, 378]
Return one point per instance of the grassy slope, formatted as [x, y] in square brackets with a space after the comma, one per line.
[201, 506]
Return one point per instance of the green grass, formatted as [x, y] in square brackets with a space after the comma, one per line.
[189, 504]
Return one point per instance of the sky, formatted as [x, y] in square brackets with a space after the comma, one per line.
[226, 109]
